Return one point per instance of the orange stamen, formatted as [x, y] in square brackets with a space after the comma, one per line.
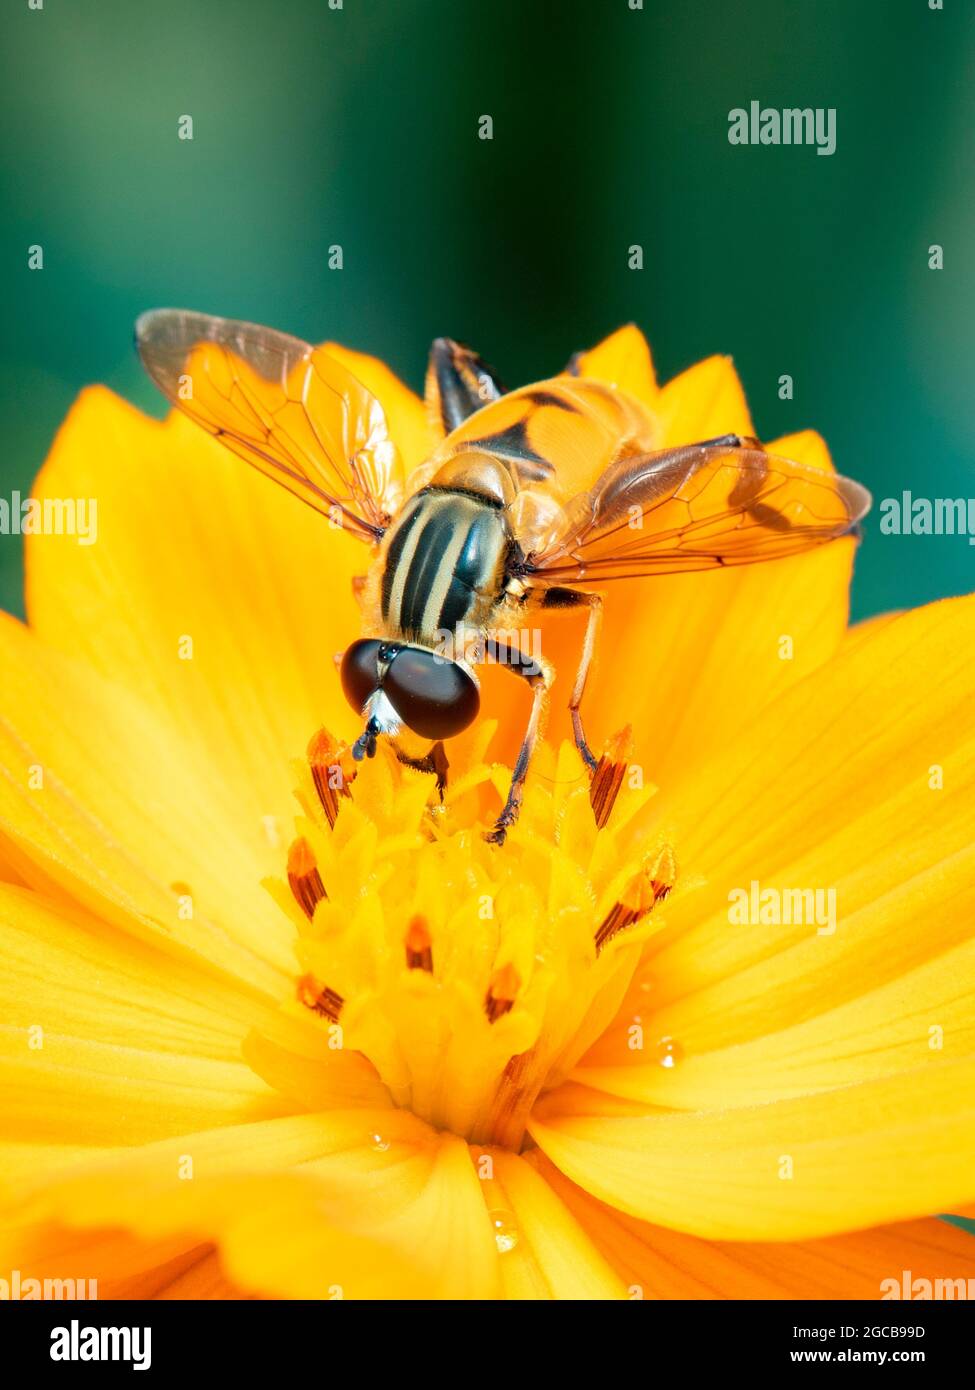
[332, 769]
[304, 878]
[663, 874]
[608, 777]
[642, 893]
[502, 992]
[419, 947]
[323, 1001]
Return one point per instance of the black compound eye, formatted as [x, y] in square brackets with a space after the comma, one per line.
[360, 672]
[435, 697]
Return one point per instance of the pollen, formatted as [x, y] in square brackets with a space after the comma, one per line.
[472, 978]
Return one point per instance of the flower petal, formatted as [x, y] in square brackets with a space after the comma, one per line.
[836, 789]
[305, 1066]
[201, 1279]
[703, 402]
[108, 804]
[194, 546]
[547, 1253]
[622, 360]
[656, 1263]
[117, 1264]
[93, 1052]
[108, 1041]
[915, 1020]
[786, 1171]
[73, 974]
[350, 1204]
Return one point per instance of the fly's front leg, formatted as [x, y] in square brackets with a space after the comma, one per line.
[540, 679]
[570, 598]
[434, 762]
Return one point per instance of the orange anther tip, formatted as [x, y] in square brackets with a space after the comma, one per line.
[301, 858]
[505, 984]
[417, 935]
[502, 992]
[322, 746]
[419, 945]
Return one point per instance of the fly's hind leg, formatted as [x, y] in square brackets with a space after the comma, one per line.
[539, 677]
[570, 598]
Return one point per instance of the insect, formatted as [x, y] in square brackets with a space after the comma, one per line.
[530, 500]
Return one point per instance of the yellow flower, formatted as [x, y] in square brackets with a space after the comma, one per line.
[421, 1066]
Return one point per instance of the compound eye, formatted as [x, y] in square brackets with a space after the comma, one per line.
[435, 697]
[360, 672]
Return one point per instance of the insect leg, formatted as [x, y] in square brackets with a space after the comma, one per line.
[435, 762]
[571, 598]
[540, 679]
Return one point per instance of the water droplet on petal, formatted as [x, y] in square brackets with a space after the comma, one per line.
[505, 1232]
[669, 1052]
[377, 1142]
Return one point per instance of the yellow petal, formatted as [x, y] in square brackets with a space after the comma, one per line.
[201, 1279]
[351, 1204]
[660, 1264]
[833, 788]
[72, 974]
[622, 360]
[921, 1017]
[106, 1040]
[103, 1263]
[97, 1050]
[703, 402]
[105, 802]
[725, 1175]
[194, 546]
[316, 1076]
[20, 1159]
[79, 1091]
[545, 1252]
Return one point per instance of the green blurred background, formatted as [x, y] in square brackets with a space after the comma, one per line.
[359, 126]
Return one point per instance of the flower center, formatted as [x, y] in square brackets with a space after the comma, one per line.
[472, 976]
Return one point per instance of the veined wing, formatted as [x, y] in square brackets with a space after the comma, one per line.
[286, 407]
[699, 506]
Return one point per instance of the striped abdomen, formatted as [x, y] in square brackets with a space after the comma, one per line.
[444, 564]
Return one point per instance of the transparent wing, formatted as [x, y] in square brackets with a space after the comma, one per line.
[286, 407]
[697, 507]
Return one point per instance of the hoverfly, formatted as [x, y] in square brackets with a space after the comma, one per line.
[530, 500]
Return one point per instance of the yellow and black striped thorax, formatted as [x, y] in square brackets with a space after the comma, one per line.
[445, 563]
